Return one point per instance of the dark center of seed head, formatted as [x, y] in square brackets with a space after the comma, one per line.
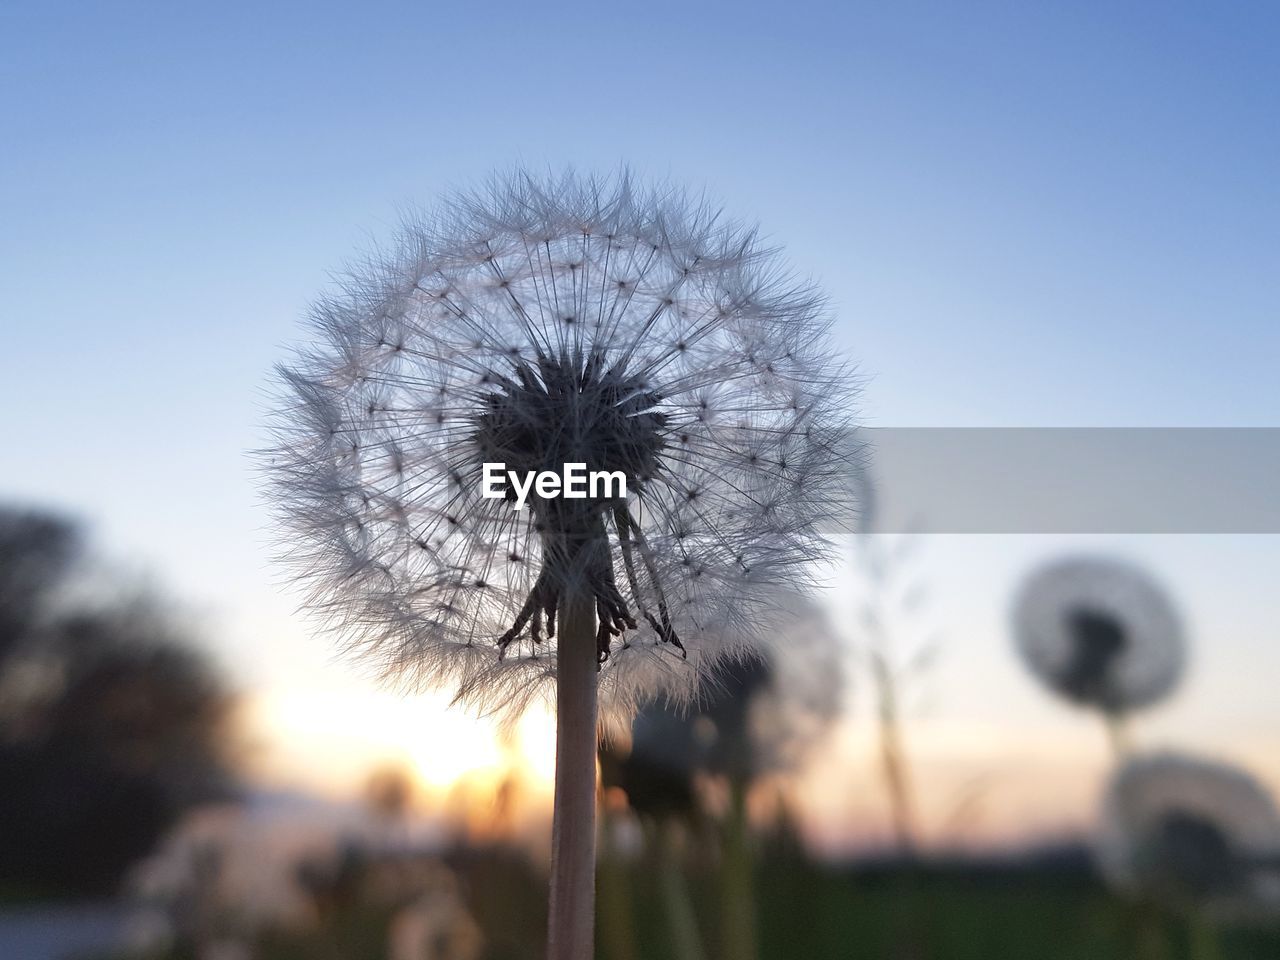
[1189, 854]
[543, 415]
[1098, 640]
[555, 411]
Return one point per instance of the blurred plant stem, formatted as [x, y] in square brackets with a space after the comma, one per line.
[738, 934]
[617, 920]
[892, 756]
[570, 925]
[1202, 938]
[1152, 943]
[890, 608]
[686, 942]
[1117, 733]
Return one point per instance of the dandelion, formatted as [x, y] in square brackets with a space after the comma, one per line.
[782, 707]
[537, 324]
[761, 717]
[1194, 834]
[758, 717]
[1100, 633]
[435, 925]
[229, 873]
[770, 712]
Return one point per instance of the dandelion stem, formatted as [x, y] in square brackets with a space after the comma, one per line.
[617, 922]
[739, 928]
[573, 830]
[1117, 734]
[686, 943]
[1204, 943]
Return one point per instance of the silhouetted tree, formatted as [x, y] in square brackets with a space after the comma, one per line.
[36, 551]
[111, 724]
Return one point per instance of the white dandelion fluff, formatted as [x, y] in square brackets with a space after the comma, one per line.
[1100, 632]
[1191, 832]
[536, 327]
[538, 323]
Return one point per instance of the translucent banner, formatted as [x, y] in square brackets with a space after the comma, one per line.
[1069, 480]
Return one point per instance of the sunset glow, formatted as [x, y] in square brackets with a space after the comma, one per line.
[308, 741]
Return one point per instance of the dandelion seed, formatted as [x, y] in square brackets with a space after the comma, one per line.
[447, 352]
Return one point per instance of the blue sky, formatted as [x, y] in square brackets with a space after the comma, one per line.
[1025, 214]
[1022, 214]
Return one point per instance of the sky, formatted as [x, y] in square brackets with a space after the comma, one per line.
[1024, 215]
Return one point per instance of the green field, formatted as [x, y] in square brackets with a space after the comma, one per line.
[806, 911]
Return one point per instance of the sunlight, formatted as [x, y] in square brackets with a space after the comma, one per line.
[337, 737]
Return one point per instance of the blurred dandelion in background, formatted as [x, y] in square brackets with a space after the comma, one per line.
[781, 709]
[1192, 834]
[797, 702]
[245, 876]
[1100, 633]
[435, 925]
[225, 875]
[538, 323]
[759, 717]
[686, 769]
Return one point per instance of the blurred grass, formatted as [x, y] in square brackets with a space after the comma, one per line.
[806, 911]
[813, 912]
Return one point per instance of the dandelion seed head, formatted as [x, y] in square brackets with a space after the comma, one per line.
[762, 715]
[541, 322]
[1099, 632]
[1191, 832]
